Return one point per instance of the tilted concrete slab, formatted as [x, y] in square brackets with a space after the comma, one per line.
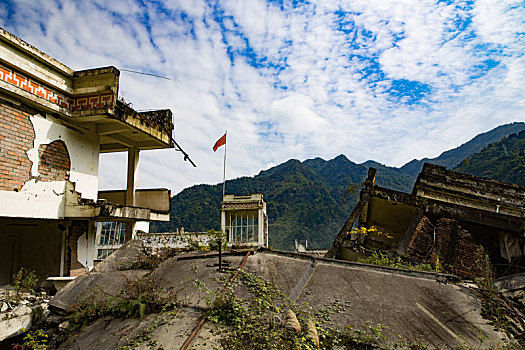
[412, 305]
[93, 287]
[417, 306]
[186, 275]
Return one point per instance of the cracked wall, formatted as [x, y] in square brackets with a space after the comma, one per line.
[38, 155]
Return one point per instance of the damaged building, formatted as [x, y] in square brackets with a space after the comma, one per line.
[55, 124]
[446, 219]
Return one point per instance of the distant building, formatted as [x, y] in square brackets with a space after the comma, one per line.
[54, 124]
[303, 248]
[244, 219]
[447, 217]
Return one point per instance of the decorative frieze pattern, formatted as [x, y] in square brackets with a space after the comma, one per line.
[82, 103]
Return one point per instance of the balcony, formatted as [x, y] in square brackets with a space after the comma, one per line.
[149, 205]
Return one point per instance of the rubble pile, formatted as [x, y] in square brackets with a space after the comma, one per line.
[20, 311]
[513, 302]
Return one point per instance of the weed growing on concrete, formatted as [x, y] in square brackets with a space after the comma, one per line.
[361, 232]
[495, 307]
[138, 298]
[152, 260]
[381, 259]
[26, 281]
[33, 340]
[266, 319]
[145, 336]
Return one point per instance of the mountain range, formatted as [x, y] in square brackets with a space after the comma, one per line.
[311, 200]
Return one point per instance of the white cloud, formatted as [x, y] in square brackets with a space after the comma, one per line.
[321, 84]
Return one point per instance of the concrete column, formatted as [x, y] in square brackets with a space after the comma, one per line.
[265, 230]
[261, 226]
[133, 162]
[130, 228]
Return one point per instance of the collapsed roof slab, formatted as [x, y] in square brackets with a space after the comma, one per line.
[413, 304]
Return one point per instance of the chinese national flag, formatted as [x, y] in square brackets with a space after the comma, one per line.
[219, 143]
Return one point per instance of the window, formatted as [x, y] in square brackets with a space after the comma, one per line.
[110, 237]
[242, 226]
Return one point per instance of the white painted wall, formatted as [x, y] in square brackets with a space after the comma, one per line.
[38, 199]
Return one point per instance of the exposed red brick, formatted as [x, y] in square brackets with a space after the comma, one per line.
[54, 162]
[450, 239]
[16, 138]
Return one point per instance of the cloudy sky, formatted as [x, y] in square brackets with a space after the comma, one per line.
[372, 79]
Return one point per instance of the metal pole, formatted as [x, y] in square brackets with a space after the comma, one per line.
[224, 169]
[220, 254]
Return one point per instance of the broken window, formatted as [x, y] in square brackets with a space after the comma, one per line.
[110, 237]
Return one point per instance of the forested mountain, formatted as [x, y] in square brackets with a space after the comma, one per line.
[312, 199]
[453, 157]
[305, 200]
[503, 160]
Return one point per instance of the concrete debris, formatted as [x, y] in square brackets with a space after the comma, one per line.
[513, 282]
[124, 258]
[20, 310]
[95, 286]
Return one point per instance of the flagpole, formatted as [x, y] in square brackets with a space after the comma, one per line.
[224, 169]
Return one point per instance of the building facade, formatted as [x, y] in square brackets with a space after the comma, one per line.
[55, 122]
[244, 220]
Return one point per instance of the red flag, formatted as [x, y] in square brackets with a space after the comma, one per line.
[219, 143]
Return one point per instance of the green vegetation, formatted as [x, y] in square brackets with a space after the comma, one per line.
[381, 259]
[306, 200]
[33, 340]
[266, 319]
[311, 200]
[25, 281]
[503, 160]
[217, 238]
[139, 297]
[453, 157]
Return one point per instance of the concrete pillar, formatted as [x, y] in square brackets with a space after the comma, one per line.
[261, 226]
[130, 228]
[133, 162]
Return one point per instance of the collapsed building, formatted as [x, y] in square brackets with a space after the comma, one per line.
[55, 124]
[446, 219]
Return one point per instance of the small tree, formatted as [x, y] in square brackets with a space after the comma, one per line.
[216, 238]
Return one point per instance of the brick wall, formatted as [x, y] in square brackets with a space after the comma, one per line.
[16, 138]
[54, 162]
[454, 245]
[77, 229]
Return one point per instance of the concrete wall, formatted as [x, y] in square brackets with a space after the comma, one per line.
[34, 152]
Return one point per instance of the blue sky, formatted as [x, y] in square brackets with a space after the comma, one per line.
[384, 80]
